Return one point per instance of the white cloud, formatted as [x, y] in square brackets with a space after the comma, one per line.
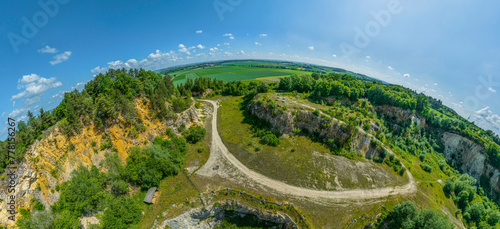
[47, 49]
[224, 44]
[230, 35]
[200, 46]
[183, 49]
[488, 119]
[405, 75]
[98, 69]
[334, 55]
[34, 88]
[199, 31]
[390, 68]
[61, 57]
[492, 90]
[311, 47]
[26, 79]
[368, 57]
[263, 35]
[115, 64]
[17, 112]
[435, 84]
[214, 49]
[257, 43]
[131, 63]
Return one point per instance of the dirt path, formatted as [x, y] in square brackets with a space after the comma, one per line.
[220, 155]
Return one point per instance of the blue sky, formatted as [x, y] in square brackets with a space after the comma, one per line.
[447, 49]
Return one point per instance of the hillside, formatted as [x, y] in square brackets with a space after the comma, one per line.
[287, 142]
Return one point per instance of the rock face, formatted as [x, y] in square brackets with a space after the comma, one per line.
[213, 216]
[470, 158]
[49, 162]
[325, 127]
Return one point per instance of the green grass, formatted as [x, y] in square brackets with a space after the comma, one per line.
[183, 78]
[226, 77]
[264, 74]
[235, 73]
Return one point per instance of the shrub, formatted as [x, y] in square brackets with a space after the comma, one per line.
[121, 213]
[119, 187]
[421, 157]
[182, 128]
[38, 206]
[270, 139]
[147, 166]
[383, 153]
[402, 171]
[258, 148]
[316, 112]
[366, 126]
[195, 134]
[426, 167]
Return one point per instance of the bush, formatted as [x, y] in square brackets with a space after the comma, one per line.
[426, 167]
[147, 166]
[270, 139]
[83, 192]
[421, 157]
[366, 126]
[316, 112]
[195, 134]
[407, 215]
[38, 206]
[119, 187]
[383, 153]
[121, 213]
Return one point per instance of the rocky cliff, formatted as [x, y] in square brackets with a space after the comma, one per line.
[471, 158]
[285, 121]
[50, 161]
[212, 216]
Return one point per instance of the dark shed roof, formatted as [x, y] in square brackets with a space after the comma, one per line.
[149, 196]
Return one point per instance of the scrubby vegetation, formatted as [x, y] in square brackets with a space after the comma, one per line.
[408, 216]
[107, 99]
[147, 166]
[195, 134]
[90, 191]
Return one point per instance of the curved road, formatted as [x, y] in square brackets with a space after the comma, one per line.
[219, 148]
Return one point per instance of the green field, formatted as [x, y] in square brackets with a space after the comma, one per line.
[182, 78]
[233, 73]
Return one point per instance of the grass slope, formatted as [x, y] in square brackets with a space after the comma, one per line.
[298, 160]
